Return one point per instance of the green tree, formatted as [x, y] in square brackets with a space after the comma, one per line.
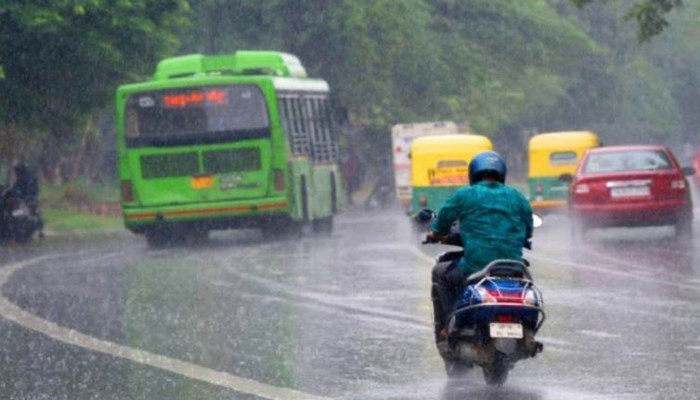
[377, 55]
[651, 15]
[513, 60]
[63, 60]
[649, 88]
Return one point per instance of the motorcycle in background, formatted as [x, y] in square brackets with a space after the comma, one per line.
[20, 218]
[494, 320]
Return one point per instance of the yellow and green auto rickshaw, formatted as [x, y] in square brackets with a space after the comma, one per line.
[440, 166]
[551, 155]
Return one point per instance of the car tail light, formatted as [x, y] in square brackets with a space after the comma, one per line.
[581, 188]
[127, 191]
[678, 184]
[279, 180]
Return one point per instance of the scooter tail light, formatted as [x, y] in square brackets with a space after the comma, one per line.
[486, 297]
[127, 191]
[504, 318]
[530, 298]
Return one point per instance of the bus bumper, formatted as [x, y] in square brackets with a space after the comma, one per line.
[240, 214]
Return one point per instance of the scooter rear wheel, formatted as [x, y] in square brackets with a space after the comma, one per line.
[456, 368]
[497, 373]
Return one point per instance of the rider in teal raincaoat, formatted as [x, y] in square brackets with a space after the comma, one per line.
[495, 221]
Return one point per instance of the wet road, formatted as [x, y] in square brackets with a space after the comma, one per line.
[341, 317]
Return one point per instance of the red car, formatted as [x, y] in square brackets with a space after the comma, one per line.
[696, 164]
[639, 185]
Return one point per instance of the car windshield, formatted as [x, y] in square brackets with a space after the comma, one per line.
[619, 161]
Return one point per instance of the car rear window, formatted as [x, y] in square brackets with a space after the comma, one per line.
[634, 160]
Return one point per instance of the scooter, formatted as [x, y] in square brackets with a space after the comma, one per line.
[494, 320]
[20, 219]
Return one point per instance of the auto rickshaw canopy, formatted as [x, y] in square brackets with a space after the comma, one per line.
[556, 153]
[443, 160]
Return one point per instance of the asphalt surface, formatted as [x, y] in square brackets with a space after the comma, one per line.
[340, 317]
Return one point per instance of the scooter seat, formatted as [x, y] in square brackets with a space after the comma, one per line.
[512, 269]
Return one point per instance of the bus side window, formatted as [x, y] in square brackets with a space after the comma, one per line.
[299, 133]
[318, 133]
[311, 131]
[285, 119]
[323, 133]
[325, 118]
[320, 152]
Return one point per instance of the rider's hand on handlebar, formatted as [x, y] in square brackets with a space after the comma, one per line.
[432, 237]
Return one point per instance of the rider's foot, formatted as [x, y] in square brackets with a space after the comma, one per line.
[440, 332]
[443, 345]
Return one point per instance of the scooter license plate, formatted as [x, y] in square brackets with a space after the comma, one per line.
[503, 330]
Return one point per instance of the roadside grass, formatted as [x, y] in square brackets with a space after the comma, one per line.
[73, 194]
[68, 220]
[60, 207]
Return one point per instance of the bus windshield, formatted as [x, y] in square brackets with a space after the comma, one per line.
[196, 115]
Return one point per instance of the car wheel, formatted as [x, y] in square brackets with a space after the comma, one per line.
[684, 228]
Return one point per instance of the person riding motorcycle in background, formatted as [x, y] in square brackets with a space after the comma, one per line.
[25, 187]
[495, 222]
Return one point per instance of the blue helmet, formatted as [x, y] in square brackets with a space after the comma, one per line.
[487, 163]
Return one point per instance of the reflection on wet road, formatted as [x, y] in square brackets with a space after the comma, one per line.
[342, 317]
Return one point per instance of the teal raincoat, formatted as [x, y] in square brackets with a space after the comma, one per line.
[495, 220]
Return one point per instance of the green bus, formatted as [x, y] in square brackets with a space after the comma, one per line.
[224, 142]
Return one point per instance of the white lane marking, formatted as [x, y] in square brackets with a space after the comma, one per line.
[599, 334]
[338, 303]
[14, 313]
[630, 275]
